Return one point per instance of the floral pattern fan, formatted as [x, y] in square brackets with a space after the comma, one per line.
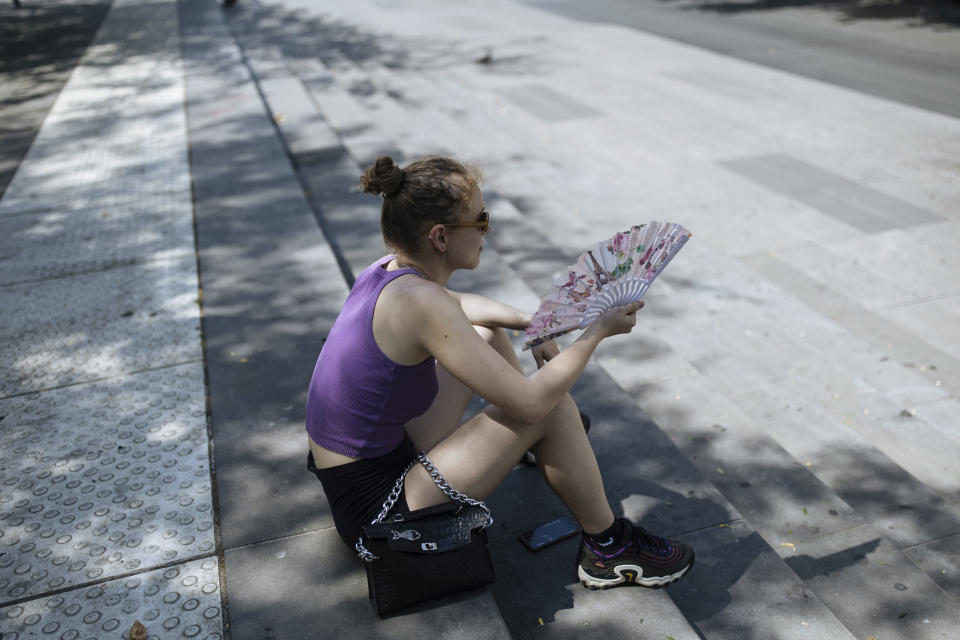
[617, 271]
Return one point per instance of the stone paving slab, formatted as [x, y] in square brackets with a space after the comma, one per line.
[940, 560]
[57, 243]
[86, 327]
[103, 479]
[924, 359]
[907, 511]
[876, 590]
[740, 589]
[32, 74]
[116, 129]
[181, 601]
[775, 492]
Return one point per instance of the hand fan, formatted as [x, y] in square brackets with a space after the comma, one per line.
[617, 271]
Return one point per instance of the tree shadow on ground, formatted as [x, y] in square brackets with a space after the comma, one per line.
[39, 47]
[944, 14]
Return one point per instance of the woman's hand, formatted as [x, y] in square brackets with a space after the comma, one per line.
[618, 320]
[545, 352]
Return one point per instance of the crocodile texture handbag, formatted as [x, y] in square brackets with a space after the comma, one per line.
[427, 553]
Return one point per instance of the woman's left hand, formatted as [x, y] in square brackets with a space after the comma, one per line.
[545, 352]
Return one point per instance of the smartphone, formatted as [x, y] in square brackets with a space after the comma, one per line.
[546, 534]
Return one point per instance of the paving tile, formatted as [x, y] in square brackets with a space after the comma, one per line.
[905, 510]
[740, 588]
[56, 243]
[886, 337]
[313, 585]
[884, 270]
[776, 493]
[873, 588]
[939, 560]
[86, 150]
[103, 479]
[548, 104]
[933, 320]
[180, 601]
[90, 326]
[858, 205]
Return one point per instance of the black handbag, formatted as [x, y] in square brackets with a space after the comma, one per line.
[426, 553]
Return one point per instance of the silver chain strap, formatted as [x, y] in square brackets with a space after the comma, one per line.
[394, 495]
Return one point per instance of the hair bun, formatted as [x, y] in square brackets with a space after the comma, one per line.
[383, 178]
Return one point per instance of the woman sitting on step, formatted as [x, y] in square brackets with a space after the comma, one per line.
[406, 355]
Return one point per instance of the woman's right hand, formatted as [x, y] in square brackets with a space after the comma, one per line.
[617, 320]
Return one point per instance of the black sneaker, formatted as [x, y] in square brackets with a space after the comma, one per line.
[638, 557]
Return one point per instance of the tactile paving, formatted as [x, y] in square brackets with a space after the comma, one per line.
[176, 602]
[55, 243]
[91, 326]
[85, 160]
[119, 126]
[103, 479]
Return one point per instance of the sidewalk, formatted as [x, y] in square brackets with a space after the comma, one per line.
[179, 239]
[107, 514]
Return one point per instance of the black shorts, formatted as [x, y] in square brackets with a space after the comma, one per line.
[356, 490]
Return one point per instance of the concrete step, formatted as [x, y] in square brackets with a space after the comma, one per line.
[689, 513]
[831, 534]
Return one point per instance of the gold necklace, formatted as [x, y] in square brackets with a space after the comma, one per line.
[405, 265]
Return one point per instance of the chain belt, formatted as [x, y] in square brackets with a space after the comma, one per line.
[394, 495]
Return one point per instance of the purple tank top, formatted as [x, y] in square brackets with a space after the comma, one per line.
[359, 399]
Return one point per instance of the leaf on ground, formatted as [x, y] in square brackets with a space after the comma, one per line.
[788, 544]
[804, 511]
[902, 615]
[138, 631]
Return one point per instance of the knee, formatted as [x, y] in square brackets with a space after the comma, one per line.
[493, 335]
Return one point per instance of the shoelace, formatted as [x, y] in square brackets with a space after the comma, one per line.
[647, 540]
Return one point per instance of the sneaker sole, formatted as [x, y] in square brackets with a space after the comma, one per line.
[629, 573]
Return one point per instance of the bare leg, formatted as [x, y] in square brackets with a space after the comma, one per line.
[444, 415]
[476, 456]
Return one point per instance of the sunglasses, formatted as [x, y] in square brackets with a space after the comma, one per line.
[483, 223]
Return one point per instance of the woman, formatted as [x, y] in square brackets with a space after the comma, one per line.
[406, 355]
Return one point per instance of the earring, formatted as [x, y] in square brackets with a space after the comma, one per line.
[443, 256]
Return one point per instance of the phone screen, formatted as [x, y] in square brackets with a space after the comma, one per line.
[546, 534]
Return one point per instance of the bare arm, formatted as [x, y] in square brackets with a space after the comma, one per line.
[488, 312]
[446, 332]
